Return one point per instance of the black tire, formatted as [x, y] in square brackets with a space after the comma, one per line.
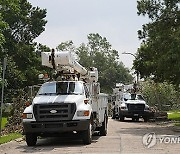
[137, 119]
[146, 119]
[121, 117]
[87, 135]
[113, 114]
[103, 128]
[31, 139]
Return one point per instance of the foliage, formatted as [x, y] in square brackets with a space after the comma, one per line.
[21, 23]
[162, 95]
[3, 26]
[25, 23]
[98, 53]
[158, 57]
[14, 123]
[9, 137]
[4, 122]
[68, 45]
[177, 124]
[175, 115]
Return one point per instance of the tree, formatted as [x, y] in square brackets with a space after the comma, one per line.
[68, 45]
[162, 95]
[159, 54]
[98, 53]
[25, 23]
[3, 25]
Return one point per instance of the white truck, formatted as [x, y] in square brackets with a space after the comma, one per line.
[130, 105]
[70, 103]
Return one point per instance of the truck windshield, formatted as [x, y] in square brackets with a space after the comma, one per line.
[64, 88]
[129, 96]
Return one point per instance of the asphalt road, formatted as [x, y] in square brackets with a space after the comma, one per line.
[123, 137]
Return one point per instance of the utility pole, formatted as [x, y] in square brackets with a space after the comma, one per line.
[2, 92]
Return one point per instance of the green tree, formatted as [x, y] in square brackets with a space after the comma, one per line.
[98, 53]
[25, 23]
[159, 54]
[162, 95]
[66, 46]
[3, 25]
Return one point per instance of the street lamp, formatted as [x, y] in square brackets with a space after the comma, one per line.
[137, 73]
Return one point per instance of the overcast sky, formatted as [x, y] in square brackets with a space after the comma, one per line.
[117, 20]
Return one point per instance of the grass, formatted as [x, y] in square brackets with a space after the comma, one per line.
[177, 124]
[174, 115]
[4, 121]
[9, 137]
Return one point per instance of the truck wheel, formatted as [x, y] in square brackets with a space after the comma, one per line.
[87, 135]
[103, 128]
[135, 119]
[121, 118]
[113, 114]
[146, 119]
[31, 139]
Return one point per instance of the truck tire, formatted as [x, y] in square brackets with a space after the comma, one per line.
[87, 135]
[113, 114]
[146, 119]
[103, 128]
[135, 119]
[31, 139]
[121, 117]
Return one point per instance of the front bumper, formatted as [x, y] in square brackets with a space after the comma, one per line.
[55, 127]
[140, 114]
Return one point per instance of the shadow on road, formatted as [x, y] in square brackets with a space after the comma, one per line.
[52, 143]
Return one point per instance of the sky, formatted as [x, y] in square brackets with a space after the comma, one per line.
[117, 20]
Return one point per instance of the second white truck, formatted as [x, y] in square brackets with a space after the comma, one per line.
[129, 105]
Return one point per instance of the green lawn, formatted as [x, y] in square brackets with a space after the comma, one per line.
[174, 115]
[4, 121]
[9, 137]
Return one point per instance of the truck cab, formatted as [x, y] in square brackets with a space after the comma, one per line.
[133, 106]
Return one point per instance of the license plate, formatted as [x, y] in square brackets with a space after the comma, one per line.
[135, 115]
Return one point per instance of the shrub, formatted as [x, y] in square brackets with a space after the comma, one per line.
[162, 95]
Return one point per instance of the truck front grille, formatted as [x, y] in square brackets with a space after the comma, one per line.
[135, 107]
[54, 111]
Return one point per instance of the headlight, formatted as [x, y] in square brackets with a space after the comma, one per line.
[83, 113]
[27, 115]
[123, 107]
[146, 107]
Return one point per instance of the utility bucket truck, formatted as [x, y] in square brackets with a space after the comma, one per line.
[72, 102]
[129, 105]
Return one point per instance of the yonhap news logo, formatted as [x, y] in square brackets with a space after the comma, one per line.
[151, 139]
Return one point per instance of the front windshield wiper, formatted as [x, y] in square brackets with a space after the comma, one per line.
[73, 93]
[70, 93]
[47, 93]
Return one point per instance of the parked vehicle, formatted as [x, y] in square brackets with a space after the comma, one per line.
[70, 103]
[130, 105]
